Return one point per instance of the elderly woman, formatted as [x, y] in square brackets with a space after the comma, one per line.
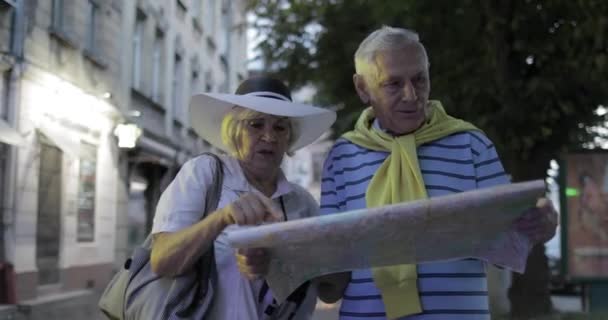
[256, 126]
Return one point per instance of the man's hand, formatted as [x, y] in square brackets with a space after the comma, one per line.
[253, 263]
[538, 223]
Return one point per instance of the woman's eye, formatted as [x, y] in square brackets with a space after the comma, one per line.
[280, 128]
[256, 124]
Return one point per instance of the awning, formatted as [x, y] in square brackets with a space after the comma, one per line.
[61, 139]
[10, 135]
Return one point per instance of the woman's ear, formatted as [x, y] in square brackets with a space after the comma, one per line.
[362, 88]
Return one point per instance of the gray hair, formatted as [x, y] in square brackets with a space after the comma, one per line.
[385, 38]
[233, 125]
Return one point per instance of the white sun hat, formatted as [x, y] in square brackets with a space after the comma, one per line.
[262, 94]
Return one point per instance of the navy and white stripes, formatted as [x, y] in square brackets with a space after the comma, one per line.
[449, 290]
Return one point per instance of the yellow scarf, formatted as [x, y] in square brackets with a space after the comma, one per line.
[399, 180]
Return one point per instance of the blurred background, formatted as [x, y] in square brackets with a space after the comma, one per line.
[94, 123]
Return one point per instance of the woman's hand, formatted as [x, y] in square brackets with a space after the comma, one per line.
[252, 209]
[253, 263]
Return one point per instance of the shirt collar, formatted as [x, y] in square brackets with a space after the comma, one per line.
[236, 181]
[376, 126]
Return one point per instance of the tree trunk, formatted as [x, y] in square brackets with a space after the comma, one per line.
[529, 293]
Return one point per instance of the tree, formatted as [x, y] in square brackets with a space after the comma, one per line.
[529, 73]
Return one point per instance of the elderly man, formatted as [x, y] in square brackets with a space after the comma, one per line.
[405, 147]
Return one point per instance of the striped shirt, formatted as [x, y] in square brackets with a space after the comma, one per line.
[455, 290]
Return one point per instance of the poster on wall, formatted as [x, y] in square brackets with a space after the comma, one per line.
[585, 239]
[86, 201]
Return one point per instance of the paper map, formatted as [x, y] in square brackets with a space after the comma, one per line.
[468, 224]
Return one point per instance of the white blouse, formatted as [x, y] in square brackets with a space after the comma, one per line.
[182, 204]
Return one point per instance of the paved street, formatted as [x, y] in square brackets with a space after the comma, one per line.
[567, 303]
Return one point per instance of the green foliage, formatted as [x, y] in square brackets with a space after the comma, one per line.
[529, 73]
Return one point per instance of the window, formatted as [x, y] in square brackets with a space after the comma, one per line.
[58, 15]
[157, 63]
[7, 27]
[196, 8]
[62, 23]
[195, 76]
[177, 87]
[195, 81]
[48, 222]
[181, 6]
[86, 194]
[208, 81]
[210, 18]
[226, 23]
[138, 38]
[93, 9]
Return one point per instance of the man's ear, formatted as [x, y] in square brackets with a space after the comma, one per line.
[362, 88]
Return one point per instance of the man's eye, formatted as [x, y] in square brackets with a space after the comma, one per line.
[391, 84]
[420, 79]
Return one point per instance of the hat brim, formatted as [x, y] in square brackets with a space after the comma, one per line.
[207, 111]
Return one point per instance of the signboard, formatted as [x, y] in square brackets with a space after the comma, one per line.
[585, 215]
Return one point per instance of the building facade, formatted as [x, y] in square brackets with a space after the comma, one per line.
[172, 49]
[60, 200]
[77, 77]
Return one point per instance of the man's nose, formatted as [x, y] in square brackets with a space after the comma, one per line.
[409, 92]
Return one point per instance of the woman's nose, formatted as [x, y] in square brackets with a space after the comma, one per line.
[269, 135]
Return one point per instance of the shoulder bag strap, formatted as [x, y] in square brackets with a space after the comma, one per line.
[214, 193]
[205, 265]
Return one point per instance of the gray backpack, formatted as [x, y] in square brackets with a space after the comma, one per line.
[136, 292]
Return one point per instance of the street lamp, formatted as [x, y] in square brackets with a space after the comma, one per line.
[127, 134]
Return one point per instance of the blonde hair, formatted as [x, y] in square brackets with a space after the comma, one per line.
[233, 125]
[385, 38]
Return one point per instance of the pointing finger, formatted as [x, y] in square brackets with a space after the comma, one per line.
[274, 214]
